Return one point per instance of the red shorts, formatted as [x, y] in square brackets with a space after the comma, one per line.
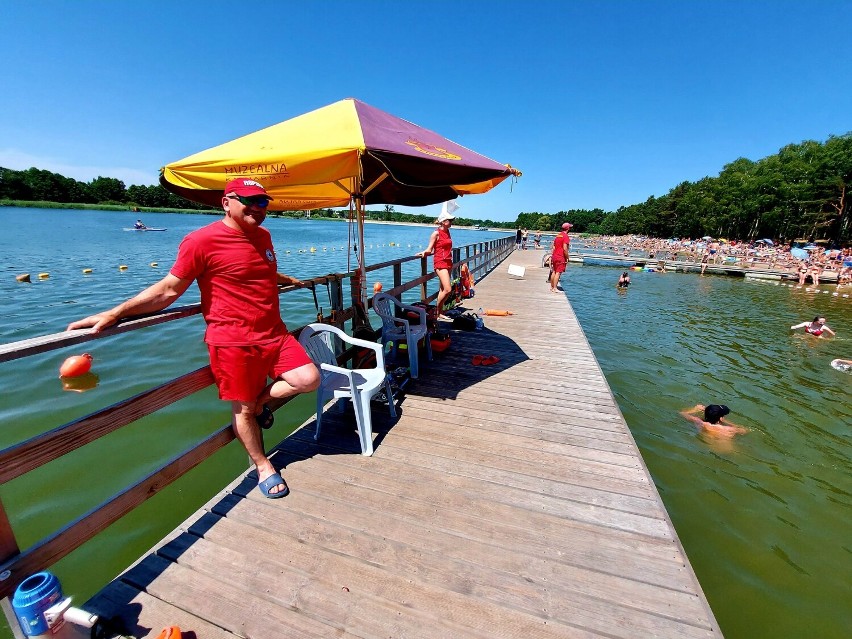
[241, 371]
[558, 267]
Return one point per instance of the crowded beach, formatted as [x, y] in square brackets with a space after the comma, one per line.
[809, 263]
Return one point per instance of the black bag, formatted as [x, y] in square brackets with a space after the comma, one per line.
[466, 321]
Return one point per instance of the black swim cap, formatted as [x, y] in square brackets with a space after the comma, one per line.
[714, 412]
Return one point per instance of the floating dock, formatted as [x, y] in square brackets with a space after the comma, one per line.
[507, 500]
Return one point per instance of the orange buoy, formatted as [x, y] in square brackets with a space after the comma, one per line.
[377, 287]
[498, 312]
[172, 632]
[76, 365]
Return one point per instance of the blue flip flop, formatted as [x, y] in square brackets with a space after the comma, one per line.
[265, 419]
[271, 482]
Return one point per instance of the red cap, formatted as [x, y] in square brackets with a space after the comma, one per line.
[567, 226]
[245, 187]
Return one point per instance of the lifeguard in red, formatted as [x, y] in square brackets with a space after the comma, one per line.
[559, 257]
[443, 255]
[441, 249]
[235, 272]
[234, 264]
[238, 279]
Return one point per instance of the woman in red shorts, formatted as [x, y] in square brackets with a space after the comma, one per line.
[441, 249]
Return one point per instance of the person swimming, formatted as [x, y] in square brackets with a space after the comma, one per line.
[713, 421]
[624, 280]
[816, 327]
[842, 365]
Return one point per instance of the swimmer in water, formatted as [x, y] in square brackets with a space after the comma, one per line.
[713, 422]
[816, 328]
[842, 364]
[624, 280]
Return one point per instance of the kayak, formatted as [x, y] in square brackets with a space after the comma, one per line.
[147, 228]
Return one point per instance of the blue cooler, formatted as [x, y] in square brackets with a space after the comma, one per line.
[32, 597]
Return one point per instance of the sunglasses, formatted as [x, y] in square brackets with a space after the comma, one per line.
[260, 201]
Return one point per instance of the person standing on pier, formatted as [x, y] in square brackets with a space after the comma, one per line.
[234, 263]
[441, 249]
[559, 257]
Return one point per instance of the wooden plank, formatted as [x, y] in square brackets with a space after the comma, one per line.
[45, 343]
[142, 615]
[504, 501]
[223, 603]
[386, 569]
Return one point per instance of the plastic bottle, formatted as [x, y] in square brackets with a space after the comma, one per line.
[480, 323]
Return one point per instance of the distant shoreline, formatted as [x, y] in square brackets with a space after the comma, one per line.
[123, 208]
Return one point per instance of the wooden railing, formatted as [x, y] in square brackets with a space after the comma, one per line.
[21, 458]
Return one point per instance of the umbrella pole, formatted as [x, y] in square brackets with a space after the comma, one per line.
[359, 282]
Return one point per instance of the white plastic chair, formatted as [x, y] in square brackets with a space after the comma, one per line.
[397, 330]
[359, 384]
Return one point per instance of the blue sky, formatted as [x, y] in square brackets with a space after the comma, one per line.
[600, 104]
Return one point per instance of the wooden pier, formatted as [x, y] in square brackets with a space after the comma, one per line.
[505, 501]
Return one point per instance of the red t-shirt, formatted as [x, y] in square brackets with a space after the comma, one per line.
[442, 257]
[558, 252]
[238, 278]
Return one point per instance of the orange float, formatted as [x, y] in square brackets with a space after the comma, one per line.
[377, 287]
[498, 312]
[466, 281]
[76, 365]
[172, 632]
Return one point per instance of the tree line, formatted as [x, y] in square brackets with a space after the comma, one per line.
[800, 192]
[38, 185]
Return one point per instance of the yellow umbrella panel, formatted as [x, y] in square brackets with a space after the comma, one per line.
[325, 157]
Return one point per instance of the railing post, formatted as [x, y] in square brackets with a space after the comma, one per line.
[397, 275]
[335, 287]
[423, 292]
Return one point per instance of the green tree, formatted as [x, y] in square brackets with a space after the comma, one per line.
[106, 189]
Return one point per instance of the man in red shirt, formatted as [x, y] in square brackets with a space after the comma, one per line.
[559, 257]
[234, 263]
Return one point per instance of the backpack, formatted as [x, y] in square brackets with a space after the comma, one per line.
[466, 321]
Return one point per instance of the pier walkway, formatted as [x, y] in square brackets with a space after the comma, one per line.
[506, 501]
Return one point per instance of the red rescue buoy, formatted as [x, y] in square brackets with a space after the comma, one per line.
[377, 287]
[76, 365]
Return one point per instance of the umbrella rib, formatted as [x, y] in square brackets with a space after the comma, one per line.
[378, 181]
[342, 187]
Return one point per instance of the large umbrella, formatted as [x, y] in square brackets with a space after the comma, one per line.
[767, 241]
[799, 254]
[342, 154]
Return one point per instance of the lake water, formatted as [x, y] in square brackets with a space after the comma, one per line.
[764, 519]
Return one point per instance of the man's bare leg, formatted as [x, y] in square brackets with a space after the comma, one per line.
[248, 432]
